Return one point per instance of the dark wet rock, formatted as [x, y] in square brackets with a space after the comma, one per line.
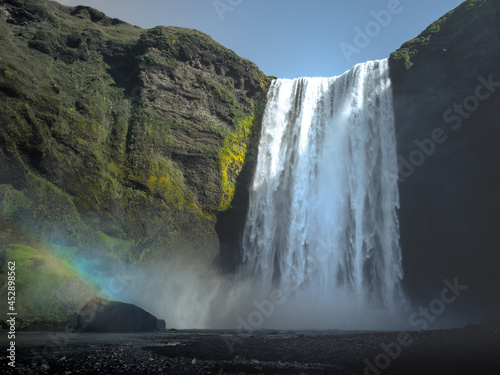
[472, 327]
[161, 325]
[490, 323]
[100, 315]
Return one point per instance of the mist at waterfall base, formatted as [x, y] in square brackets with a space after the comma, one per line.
[321, 244]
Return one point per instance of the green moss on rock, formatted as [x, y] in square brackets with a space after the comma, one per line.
[118, 142]
[46, 288]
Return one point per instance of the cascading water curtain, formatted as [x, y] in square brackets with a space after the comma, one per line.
[323, 206]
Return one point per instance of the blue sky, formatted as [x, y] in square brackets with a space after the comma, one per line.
[290, 38]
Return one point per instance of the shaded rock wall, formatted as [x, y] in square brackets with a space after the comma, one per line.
[447, 124]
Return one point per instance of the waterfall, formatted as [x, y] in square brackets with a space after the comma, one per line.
[322, 221]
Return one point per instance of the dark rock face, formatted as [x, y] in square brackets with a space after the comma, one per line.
[447, 105]
[100, 315]
[161, 325]
[231, 223]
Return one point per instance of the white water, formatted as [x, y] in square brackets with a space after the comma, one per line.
[321, 244]
[322, 226]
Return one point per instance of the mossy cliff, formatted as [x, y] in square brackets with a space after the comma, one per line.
[115, 140]
[446, 86]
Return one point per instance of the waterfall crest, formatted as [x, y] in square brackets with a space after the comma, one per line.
[322, 220]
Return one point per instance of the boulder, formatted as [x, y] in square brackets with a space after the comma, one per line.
[490, 323]
[161, 325]
[100, 315]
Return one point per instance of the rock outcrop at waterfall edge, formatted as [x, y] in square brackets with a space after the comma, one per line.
[446, 87]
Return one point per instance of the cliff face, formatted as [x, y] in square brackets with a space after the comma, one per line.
[115, 141]
[447, 105]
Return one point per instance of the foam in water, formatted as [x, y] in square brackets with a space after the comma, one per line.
[322, 226]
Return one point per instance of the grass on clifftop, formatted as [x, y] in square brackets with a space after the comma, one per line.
[405, 55]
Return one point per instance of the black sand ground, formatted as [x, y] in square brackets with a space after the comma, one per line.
[460, 351]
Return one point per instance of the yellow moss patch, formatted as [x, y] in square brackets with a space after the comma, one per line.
[165, 185]
[231, 160]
